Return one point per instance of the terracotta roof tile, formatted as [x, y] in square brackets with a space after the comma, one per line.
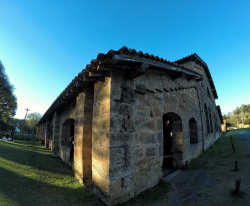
[194, 57]
[102, 57]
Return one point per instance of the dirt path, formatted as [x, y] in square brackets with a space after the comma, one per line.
[213, 183]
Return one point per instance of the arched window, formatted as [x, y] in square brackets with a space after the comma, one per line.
[67, 131]
[193, 131]
[207, 119]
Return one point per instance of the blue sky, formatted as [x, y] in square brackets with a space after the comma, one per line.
[45, 44]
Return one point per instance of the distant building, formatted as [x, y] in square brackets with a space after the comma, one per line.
[242, 125]
[132, 115]
[224, 126]
[17, 129]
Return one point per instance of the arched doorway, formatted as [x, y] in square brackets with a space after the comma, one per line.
[172, 141]
[67, 131]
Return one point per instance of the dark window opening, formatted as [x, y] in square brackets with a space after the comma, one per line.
[167, 143]
[68, 131]
[210, 118]
[172, 142]
[193, 131]
[207, 119]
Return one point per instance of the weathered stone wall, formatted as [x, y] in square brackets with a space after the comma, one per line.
[38, 131]
[158, 94]
[43, 130]
[83, 136]
[101, 139]
[65, 153]
[122, 138]
[50, 144]
[47, 130]
[132, 120]
[128, 150]
[208, 99]
[55, 134]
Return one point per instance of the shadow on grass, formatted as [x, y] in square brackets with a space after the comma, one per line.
[240, 195]
[25, 191]
[23, 144]
[33, 156]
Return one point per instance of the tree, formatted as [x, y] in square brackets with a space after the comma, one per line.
[32, 120]
[8, 102]
[247, 121]
[225, 116]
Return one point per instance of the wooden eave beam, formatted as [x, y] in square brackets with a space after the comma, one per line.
[155, 64]
[198, 79]
[96, 74]
[75, 89]
[86, 79]
[190, 77]
[61, 102]
[69, 97]
[112, 67]
[176, 75]
[69, 94]
[80, 84]
[138, 71]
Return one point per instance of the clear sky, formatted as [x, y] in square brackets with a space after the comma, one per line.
[45, 44]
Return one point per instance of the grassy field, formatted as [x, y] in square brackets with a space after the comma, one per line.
[221, 153]
[29, 175]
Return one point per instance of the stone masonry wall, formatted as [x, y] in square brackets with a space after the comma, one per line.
[158, 94]
[55, 134]
[83, 136]
[122, 139]
[38, 131]
[119, 139]
[136, 129]
[101, 140]
[43, 131]
[46, 137]
[209, 138]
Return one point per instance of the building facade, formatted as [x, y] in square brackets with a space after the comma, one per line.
[133, 116]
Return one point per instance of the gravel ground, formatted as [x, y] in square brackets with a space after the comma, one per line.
[213, 184]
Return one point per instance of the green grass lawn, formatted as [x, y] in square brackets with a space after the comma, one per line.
[221, 152]
[29, 175]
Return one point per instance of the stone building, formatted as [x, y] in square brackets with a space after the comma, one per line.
[133, 116]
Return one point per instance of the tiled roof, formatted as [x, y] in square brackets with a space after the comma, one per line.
[123, 56]
[195, 58]
[133, 53]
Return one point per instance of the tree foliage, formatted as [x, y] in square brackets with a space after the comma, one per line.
[242, 109]
[8, 102]
[247, 121]
[28, 125]
[239, 115]
[32, 120]
[6, 125]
